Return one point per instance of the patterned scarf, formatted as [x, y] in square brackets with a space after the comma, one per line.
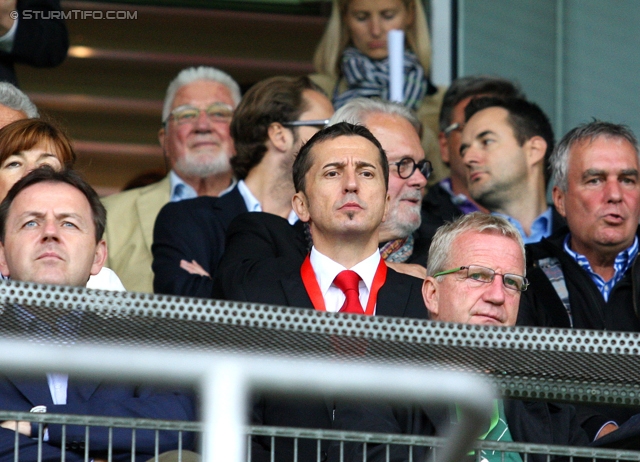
[398, 250]
[370, 78]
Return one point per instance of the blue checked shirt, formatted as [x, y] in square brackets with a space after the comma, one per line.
[620, 266]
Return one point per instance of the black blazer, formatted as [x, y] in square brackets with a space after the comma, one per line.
[192, 229]
[262, 264]
[40, 41]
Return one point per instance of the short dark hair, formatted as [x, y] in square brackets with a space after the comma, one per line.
[46, 174]
[277, 99]
[526, 119]
[475, 85]
[304, 160]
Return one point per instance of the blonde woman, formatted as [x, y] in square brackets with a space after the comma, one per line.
[352, 60]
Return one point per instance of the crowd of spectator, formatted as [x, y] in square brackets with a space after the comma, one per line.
[272, 197]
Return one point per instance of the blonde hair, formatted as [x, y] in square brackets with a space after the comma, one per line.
[326, 59]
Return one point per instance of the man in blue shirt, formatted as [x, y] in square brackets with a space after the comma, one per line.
[583, 275]
[505, 146]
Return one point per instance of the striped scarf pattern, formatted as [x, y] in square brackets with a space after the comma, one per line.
[369, 78]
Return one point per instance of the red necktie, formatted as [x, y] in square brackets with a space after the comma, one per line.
[347, 281]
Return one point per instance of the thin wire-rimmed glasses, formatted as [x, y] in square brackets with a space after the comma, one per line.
[307, 123]
[483, 275]
[216, 112]
[407, 166]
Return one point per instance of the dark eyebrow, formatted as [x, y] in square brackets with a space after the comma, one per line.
[334, 165]
[363, 164]
[629, 172]
[484, 133]
[593, 172]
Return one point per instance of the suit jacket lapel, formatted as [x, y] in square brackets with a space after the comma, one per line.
[35, 390]
[393, 296]
[148, 206]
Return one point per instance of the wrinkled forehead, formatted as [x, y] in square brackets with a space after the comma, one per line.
[202, 93]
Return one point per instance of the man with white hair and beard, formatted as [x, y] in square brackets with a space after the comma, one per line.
[397, 129]
[197, 146]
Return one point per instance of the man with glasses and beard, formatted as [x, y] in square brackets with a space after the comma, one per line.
[197, 146]
[275, 118]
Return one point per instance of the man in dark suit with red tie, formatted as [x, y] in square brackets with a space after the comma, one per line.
[340, 176]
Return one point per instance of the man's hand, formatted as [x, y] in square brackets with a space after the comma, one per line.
[610, 427]
[193, 268]
[8, 15]
[23, 427]
[412, 269]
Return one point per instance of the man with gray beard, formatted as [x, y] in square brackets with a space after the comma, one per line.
[197, 146]
[397, 129]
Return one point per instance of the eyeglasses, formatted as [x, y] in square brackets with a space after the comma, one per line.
[307, 123]
[480, 274]
[407, 166]
[452, 128]
[216, 112]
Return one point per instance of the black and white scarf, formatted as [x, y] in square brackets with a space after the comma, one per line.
[369, 78]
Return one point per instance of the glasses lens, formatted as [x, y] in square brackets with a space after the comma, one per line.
[514, 282]
[406, 167]
[480, 274]
[219, 112]
[425, 168]
[185, 115]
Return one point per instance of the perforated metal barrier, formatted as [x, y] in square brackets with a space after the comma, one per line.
[546, 364]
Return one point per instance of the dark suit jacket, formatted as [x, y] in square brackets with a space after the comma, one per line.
[40, 41]
[88, 398]
[193, 229]
[529, 422]
[262, 264]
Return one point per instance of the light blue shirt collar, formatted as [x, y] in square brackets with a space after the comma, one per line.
[540, 228]
[253, 204]
[181, 190]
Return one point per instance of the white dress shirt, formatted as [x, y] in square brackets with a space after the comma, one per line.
[326, 271]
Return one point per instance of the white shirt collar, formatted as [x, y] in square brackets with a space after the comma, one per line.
[326, 269]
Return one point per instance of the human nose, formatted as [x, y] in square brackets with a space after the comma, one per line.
[375, 27]
[203, 121]
[49, 230]
[613, 191]
[350, 180]
[417, 179]
[495, 291]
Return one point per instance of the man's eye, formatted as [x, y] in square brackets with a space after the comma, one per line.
[511, 282]
[367, 174]
[30, 224]
[628, 180]
[477, 276]
[68, 224]
[486, 142]
[331, 174]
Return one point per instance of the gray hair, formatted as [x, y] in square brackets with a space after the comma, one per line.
[193, 74]
[358, 109]
[442, 243]
[14, 98]
[559, 161]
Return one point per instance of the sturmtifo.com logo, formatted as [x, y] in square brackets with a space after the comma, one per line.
[76, 14]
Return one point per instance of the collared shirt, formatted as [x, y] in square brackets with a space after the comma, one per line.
[541, 226]
[253, 204]
[326, 271]
[621, 264]
[181, 190]
[460, 200]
